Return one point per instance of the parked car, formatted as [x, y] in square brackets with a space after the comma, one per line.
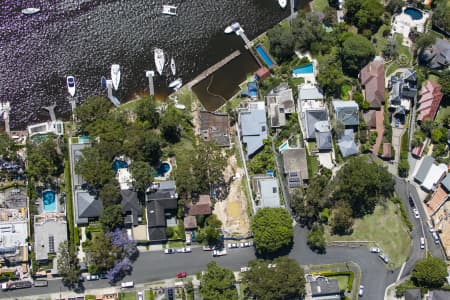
[245, 269]
[436, 238]
[422, 243]
[91, 277]
[208, 248]
[220, 252]
[184, 250]
[169, 251]
[140, 296]
[384, 258]
[375, 250]
[361, 290]
[411, 200]
[270, 266]
[128, 284]
[396, 123]
[246, 244]
[40, 283]
[181, 274]
[233, 245]
[416, 213]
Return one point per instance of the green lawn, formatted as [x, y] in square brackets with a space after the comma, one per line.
[320, 5]
[442, 112]
[342, 281]
[379, 40]
[148, 295]
[127, 296]
[384, 226]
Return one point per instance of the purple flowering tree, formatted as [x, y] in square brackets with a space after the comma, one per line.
[128, 253]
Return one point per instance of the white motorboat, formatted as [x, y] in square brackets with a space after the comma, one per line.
[71, 85]
[30, 10]
[173, 67]
[115, 75]
[233, 27]
[282, 3]
[169, 10]
[176, 83]
[160, 60]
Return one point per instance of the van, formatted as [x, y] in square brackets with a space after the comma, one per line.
[422, 243]
[128, 284]
[436, 238]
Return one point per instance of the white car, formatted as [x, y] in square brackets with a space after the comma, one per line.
[246, 244]
[361, 290]
[384, 258]
[208, 248]
[375, 250]
[416, 213]
[270, 266]
[140, 296]
[92, 277]
[184, 250]
[169, 251]
[245, 269]
[233, 245]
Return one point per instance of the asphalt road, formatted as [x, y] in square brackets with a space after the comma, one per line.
[154, 266]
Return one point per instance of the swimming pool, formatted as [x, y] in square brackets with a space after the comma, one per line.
[414, 13]
[119, 164]
[49, 201]
[163, 169]
[267, 60]
[83, 139]
[306, 69]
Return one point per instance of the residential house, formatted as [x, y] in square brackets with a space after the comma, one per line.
[403, 89]
[295, 167]
[203, 207]
[190, 223]
[215, 127]
[430, 99]
[50, 230]
[266, 189]
[14, 198]
[423, 169]
[372, 80]
[161, 205]
[439, 196]
[437, 56]
[314, 118]
[413, 294]
[131, 208]
[323, 288]
[346, 143]
[87, 206]
[438, 295]
[280, 103]
[347, 112]
[262, 73]
[430, 174]
[253, 127]
[55, 127]
[13, 235]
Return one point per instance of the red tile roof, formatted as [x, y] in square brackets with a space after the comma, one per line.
[190, 222]
[372, 79]
[202, 207]
[430, 99]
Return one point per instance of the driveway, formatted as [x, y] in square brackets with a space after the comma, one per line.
[396, 142]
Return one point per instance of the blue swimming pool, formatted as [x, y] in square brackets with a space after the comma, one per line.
[119, 164]
[306, 69]
[83, 139]
[267, 60]
[163, 169]
[49, 200]
[414, 13]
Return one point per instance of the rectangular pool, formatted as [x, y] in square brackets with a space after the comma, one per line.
[267, 60]
[49, 201]
[306, 69]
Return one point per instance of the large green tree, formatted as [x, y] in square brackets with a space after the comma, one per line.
[272, 230]
[147, 112]
[309, 34]
[430, 272]
[341, 218]
[93, 109]
[210, 234]
[110, 194]
[208, 165]
[444, 81]
[111, 217]
[102, 254]
[284, 281]
[362, 184]
[331, 77]
[43, 160]
[6, 146]
[94, 169]
[170, 125]
[281, 43]
[356, 52]
[67, 265]
[441, 15]
[141, 175]
[218, 283]
[365, 14]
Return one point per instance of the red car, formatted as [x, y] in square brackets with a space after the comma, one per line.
[181, 275]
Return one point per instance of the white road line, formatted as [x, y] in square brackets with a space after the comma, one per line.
[401, 271]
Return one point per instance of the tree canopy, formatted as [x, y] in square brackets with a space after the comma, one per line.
[111, 217]
[272, 230]
[441, 15]
[110, 194]
[94, 108]
[102, 254]
[141, 175]
[365, 14]
[94, 169]
[6, 146]
[331, 77]
[218, 283]
[210, 234]
[430, 272]
[309, 33]
[356, 52]
[67, 265]
[281, 43]
[44, 161]
[147, 112]
[170, 125]
[284, 281]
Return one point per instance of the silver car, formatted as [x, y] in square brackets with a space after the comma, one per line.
[384, 258]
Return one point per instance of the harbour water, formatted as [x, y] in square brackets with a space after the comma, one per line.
[84, 37]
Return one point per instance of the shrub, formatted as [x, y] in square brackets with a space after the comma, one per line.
[169, 232]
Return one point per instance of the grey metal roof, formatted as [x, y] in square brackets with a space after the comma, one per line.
[268, 189]
[424, 168]
[347, 144]
[87, 206]
[253, 128]
[130, 205]
[75, 156]
[347, 112]
[312, 116]
[413, 294]
[309, 93]
[439, 295]
[324, 140]
[46, 231]
[446, 182]
[324, 287]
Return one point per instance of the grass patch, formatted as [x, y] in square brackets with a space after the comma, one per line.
[127, 296]
[174, 244]
[313, 165]
[385, 226]
[342, 281]
[392, 67]
[320, 5]
[442, 113]
[244, 187]
[69, 200]
[379, 40]
[344, 92]
[149, 295]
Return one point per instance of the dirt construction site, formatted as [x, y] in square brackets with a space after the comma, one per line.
[233, 210]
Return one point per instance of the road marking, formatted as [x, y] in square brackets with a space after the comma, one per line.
[401, 271]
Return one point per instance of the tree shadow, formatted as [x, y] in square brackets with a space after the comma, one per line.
[271, 255]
